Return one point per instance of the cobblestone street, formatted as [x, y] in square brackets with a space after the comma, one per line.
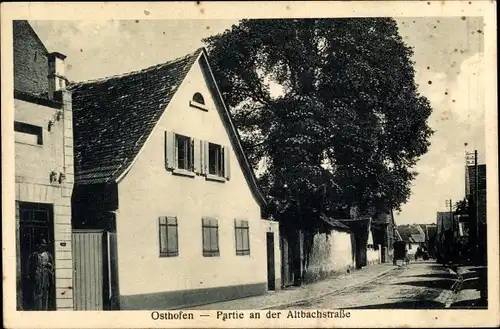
[420, 285]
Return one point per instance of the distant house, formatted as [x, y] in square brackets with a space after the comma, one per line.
[477, 226]
[164, 194]
[446, 234]
[412, 235]
[431, 239]
[383, 228]
[43, 169]
[470, 188]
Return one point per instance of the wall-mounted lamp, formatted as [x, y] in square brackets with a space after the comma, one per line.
[62, 177]
[57, 117]
[53, 176]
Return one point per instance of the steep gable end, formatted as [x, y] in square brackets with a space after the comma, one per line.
[231, 128]
[113, 117]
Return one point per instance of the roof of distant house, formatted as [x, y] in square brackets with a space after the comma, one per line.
[411, 233]
[114, 116]
[431, 230]
[335, 223]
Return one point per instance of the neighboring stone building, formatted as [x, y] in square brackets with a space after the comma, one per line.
[477, 227]
[470, 188]
[165, 194]
[43, 167]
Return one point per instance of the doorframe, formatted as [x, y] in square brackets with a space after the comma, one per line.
[270, 259]
[49, 207]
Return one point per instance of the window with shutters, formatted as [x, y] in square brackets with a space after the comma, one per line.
[169, 242]
[184, 152]
[215, 160]
[210, 236]
[241, 231]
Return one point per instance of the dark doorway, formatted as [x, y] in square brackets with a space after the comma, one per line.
[271, 282]
[36, 228]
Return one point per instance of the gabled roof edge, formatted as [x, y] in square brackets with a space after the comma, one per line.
[247, 168]
[119, 175]
[37, 38]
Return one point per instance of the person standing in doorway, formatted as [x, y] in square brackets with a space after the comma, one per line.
[42, 276]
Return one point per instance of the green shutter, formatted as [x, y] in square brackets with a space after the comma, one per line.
[197, 149]
[205, 162]
[170, 150]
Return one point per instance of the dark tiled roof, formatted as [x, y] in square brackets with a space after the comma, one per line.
[411, 233]
[40, 99]
[113, 117]
[335, 223]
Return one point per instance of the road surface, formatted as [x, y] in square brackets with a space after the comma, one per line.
[419, 285]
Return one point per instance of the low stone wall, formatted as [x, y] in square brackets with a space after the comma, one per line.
[331, 254]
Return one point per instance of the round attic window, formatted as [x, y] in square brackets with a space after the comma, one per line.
[198, 98]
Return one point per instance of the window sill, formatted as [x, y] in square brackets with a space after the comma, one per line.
[216, 178]
[30, 144]
[169, 255]
[211, 254]
[198, 106]
[183, 172]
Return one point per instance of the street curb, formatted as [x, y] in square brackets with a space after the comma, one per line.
[331, 292]
[454, 290]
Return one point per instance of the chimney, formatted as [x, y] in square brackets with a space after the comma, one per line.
[57, 80]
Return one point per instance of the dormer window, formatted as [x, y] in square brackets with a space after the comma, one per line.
[198, 101]
[198, 98]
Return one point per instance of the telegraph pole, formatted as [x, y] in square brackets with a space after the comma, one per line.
[449, 203]
[472, 192]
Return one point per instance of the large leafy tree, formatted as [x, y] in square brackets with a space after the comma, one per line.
[347, 125]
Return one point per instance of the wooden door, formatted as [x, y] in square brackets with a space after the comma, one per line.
[271, 281]
[286, 263]
[89, 269]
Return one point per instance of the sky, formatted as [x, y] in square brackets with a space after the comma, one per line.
[448, 56]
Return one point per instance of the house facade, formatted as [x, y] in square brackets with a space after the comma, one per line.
[431, 239]
[383, 229]
[413, 236]
[165, 188]
[477, 217]
[43, 174]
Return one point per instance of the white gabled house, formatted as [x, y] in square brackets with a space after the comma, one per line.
[166, 208]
